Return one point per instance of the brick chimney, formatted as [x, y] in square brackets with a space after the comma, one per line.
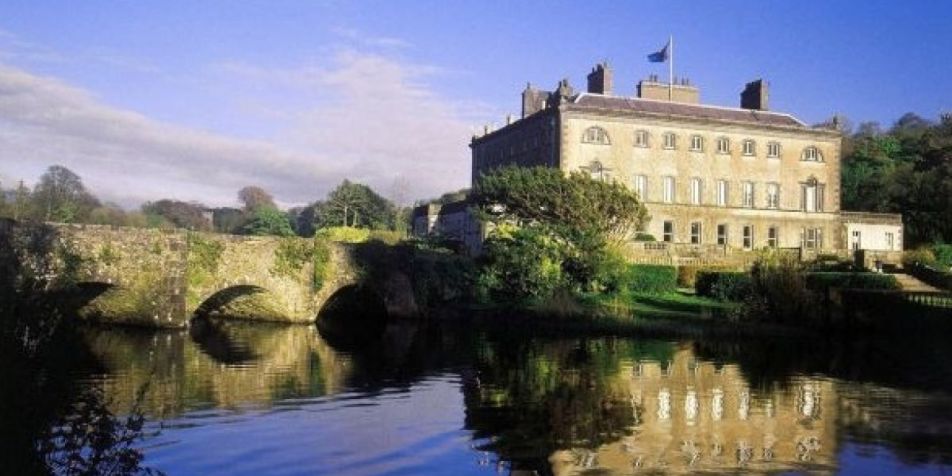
[754, 96]
[600, 79]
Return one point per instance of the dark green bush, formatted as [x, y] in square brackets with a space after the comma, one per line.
[724, 285]
[824, 281]
[642, 236]
[687, 274]
[650, 278]
[931, 275]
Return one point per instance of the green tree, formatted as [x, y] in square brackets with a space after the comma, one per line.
[61, 196]
[268, 221]
[357, 205]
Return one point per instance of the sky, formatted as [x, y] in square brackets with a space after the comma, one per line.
[194, 100]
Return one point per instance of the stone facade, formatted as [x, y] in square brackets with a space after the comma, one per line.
[745, 177]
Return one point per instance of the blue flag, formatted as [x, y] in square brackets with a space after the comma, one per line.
[660, 56]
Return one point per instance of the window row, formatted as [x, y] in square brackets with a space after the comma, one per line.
[810, 238]
[696, 143]
[811, 193]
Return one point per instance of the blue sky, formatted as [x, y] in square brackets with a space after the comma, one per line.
[193, 100]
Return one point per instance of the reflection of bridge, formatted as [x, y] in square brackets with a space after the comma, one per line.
[698, 417]
[162, 278]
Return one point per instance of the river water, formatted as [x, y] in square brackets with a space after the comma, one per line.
[248, 398]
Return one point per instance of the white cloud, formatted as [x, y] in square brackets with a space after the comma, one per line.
[366, 117]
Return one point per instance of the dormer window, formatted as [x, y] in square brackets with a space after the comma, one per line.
[750, 147]
[723, 145]
[773, 150]
[670, 140]
[697, 143]
[641, 138]
[811, 154]
[596, 135]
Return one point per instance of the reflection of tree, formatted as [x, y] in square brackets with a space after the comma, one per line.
[530, 397]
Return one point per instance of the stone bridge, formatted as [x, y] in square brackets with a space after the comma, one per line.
[163, 278]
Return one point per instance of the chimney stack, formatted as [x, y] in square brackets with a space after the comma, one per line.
[754, 96]
[600, 79]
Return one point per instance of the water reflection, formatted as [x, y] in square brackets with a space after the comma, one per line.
[552, 405]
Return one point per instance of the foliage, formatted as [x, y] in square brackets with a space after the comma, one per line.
[930, 275]
[255, 198]
[343, 234]
[724, 285]
[108, 255]
[579, 209]
[61, 196]
[190, 216]
[943, 255]
[227, 220]
[291, 255]
[823, 281]
[524, 264]
[650, 278]
[575, 219]
[779, 290]
[320, 259]
[268, 221]
[642, 236]
[356, 205]
[906, 170]
[920, 255]
[687, 274]
[204, 253]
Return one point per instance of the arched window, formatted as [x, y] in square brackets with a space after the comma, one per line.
[596, 135]
[597, 171]
[811, 154]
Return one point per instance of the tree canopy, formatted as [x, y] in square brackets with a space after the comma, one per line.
[268, 221]
[576, 207]
[254, 198]
[61, 196]
[357, 205]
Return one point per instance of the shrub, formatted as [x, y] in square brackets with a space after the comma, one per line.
[724, 285]
[524, 264]
[687, 274]
[933, 276]
[343, 234]
[943, 255]
[824, 281]
[922, 255]
[649, 278]
[642, 236]
[390, 237]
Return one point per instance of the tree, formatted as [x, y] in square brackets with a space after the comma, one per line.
[254, 198]
[61, 196]
[576, 213]
[577, 207]
[181, 214]
[357, 205]
[269, 221]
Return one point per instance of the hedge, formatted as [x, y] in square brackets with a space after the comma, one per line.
[687, 274]
[723, 285]
[824, 281]
[932, 276]
[650, 278]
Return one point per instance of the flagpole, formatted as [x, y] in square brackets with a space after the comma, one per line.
[671, 68]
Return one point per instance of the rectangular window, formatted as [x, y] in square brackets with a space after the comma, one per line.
[722, 234]
[812, 197]
[696, 233]
[670, 140]
[668, 233]
[749, 147]
[773, 150]
[890, 240]
[748, 237]
[857, 241]
[749, 194]
[697, 143]
[641, 138]
[641, 187]
[722, 192]
[696, 191]
[669, 189]
[773, 237]
[812, 238]
[773, 195]
[723, 145]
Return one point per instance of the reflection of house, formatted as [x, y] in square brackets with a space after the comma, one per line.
[454, 221]
[740, 178]
[698, 417]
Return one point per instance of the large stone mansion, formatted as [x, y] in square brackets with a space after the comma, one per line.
[739, 178]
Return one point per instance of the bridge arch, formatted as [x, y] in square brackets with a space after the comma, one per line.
[244, 301]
